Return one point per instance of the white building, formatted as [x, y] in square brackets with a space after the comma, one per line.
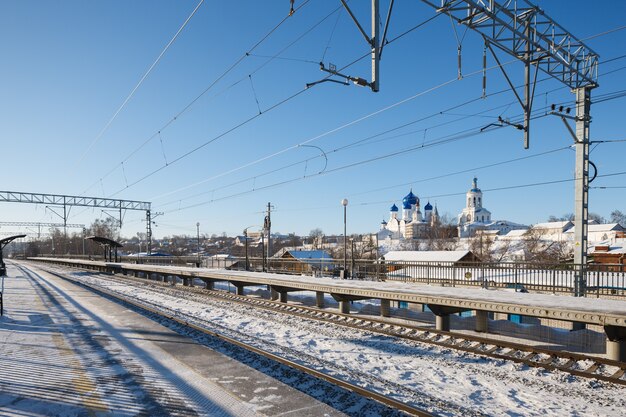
[411, 224]
[475, 217]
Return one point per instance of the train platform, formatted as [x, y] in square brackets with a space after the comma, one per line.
[66, 351]
[442, 301]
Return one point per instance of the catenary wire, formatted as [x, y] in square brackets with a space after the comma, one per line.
[141, 80]
[203, 93]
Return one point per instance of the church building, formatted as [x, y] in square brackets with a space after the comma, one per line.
[411, 223]
[475, 217]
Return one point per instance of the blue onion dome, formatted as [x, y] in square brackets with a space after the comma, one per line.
[428, 206]
[410, 199]
[394, 208]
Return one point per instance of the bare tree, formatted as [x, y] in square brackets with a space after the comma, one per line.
[317, 236]
[480, 244]
[441, 235]
[618, 217]
[538, 248]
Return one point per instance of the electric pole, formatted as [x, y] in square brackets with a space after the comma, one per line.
[267, 228]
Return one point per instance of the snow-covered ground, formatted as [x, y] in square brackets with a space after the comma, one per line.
[413, 372]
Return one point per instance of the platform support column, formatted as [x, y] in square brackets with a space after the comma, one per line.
[482, 321]
[344, 307]
[283, 296]
[385, 308]
[274, 295]
[319, 299]
[239, 288]
[209, 284]
[615, 343]
[442, 322]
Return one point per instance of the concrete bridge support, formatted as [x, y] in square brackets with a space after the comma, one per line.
[344, 306]
[482, 321]
[209, 284]
[280, 293]
[345, 300]
[239, 288]
[442, 315]
[442, 322]
[319, 299]
[385, 308]
[615, 343]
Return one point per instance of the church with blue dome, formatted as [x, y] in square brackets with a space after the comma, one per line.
[410, 223]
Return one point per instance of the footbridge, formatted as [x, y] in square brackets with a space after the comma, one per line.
[442, 301]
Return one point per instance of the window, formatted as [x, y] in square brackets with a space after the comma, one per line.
[474, 200]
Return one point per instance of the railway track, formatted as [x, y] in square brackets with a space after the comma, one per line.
[573, 363]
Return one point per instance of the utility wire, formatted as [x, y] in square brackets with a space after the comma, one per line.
[145, 75]
[445, 139]
[214, 82]
[289, 98]
[329, 132]
[303, 161]
[346, 146]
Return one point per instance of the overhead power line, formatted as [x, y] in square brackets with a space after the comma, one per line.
[215, 82]
[234, 128]
[141, 80]
[353, 122]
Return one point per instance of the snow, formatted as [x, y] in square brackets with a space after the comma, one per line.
[462, 383]
[426, 256]
[471, 385]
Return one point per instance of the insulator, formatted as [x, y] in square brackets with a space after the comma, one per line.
[459, 62]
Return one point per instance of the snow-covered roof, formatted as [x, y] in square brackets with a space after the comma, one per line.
[601, 227]
[507, 223]
[426, 256]
[617, 247]
[516, 233]
[221, 256]
[563, 225]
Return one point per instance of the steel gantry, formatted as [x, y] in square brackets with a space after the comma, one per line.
[39, 225]
[66, 202]
[522, 30]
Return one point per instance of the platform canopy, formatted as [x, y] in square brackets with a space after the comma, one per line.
[104, 241]
[7, 240]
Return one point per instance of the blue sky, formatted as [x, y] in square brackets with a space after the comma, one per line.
[69, 65]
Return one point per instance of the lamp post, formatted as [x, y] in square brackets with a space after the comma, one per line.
[344, 203]
[198, 234]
